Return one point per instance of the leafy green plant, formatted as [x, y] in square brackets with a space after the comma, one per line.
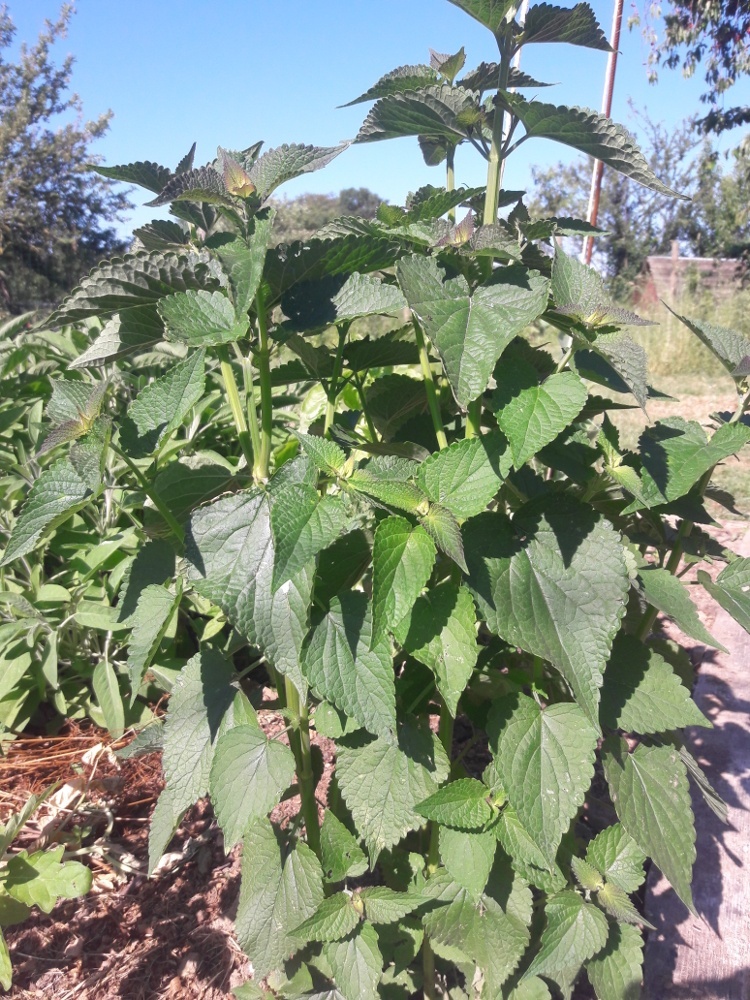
[32, 878]
[429, 541]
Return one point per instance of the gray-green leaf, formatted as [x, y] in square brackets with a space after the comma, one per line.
[201, 319]
[402, 559]
[465, 476]
[575, 931]
[665, 592]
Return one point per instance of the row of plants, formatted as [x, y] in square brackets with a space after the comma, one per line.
[339, 469]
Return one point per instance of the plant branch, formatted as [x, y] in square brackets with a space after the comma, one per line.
[429, 385]
[263, 459]
[154, 497]
[300, 744]
[333, 388]
[235, 405]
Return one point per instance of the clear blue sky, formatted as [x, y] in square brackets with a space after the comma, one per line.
[231, 72]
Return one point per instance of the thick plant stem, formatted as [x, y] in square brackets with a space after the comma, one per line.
[429, 385]
[252, 413]
[263, 458]
[154, 497]
[445, 735]
[333, 391]
[373, 434]
[300, 744]
[235, 405]
[450, 178]
[673, 563]
[473, 419]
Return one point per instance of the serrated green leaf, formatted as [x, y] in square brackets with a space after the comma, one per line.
[325, 455]
[393, 493]
[41, 878]
[280, 888]
[229, 558]
[676, 453]
[161, 407]
[575, 931]
[616, 972]
[618, 904]
[449, 66]
[586, 875]
[392, 400]
[651, 795]
[471, 331]
[430, 202]
[468, 857]
[162, 234]
[526, 857]
[729, 346]
[200, 698]
[144, 173]
[131, 330]
[665, 592]
[529, 989]
[548, 758]
[402, 559]
[465, 476]
[383, 780]
[346, 665]
[153, 563]
[201, 319]
[202, 184]
[303, 524]
[617, 856]
[165, 819]
[365, 295]
[461, 804]
[591, 133]
[577, 26]
[333, 920]
[482, 930]
[186, 484]
[75, 400]
[243, 261]
[386, 906]
[554, 582]
[642, 693]
[318, 258]
[107, 691]
[629, 361]
[442, 527]
[249, 774]
[138, 279]
[530, 414]
[440, 631]
[342, 857]
[58, 492]
[491, 13]
[731, 590]
[397, 81]
[438, 111]
[276, 166]
[356, 964]
[88, 454]
[150, 620]
[390, 349]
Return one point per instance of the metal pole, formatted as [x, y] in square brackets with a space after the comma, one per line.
[609, 86]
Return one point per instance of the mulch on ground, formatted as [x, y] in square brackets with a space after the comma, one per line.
[134, 937]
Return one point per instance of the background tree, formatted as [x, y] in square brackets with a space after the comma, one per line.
[712, 34]
[640, 222]
[298, 218]
[53, 209]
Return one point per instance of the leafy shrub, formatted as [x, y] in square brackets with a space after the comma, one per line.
[436, 523]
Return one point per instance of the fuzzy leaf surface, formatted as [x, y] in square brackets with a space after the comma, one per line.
[276, 166]
[729, 346]
[651, 795]
[471, 331]
[58, 492]
[344, 665]
[230, 558]
[138, 328]
[546, 22]
[243, 260]
[642, 693]
[334, 919]
[490, 13]
[575, 931]
[554, 582]
[438, 111]
[616, 855]
[616, 972]
[461, 804]
[161, 406]
[665, 592]
[383, 780]
[589, 132]
[465, 476]
[530, 414]
[548, 757]
[398, 80]
[150, 621]
[402, 559]
[303, 524]
[731, 590]
[356, 963]
[440, 631]
[366, 295]
[280, 888]
[386, 906]
[249, 774]
[201, 319]
[342, 857]
[42, 877]
[468, 857]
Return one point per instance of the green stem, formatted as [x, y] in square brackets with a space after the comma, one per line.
[302, 752]
[429, 385]
[338, 363]
[685, 529]
[235, 405]
[372, 433]
[563, 363]
[473, 419]
[252, 413]
[445, 735]
[155, 499]
[262, 464]
[450, 178]
[495, 164]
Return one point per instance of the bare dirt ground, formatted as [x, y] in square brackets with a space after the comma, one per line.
[169, 937]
